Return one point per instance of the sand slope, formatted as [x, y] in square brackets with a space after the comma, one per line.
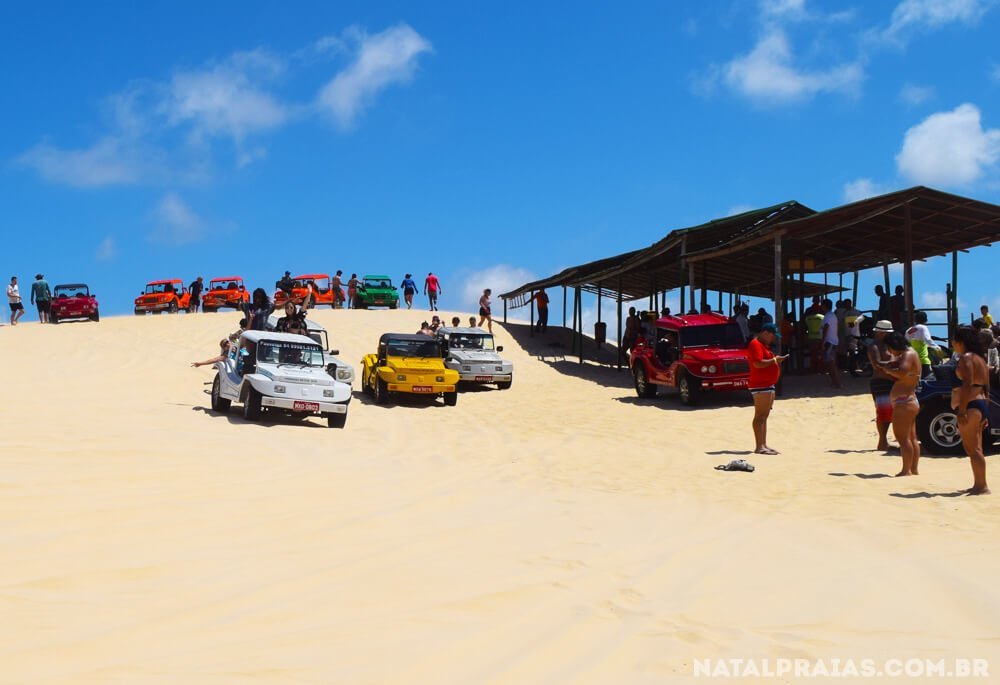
[557, 532]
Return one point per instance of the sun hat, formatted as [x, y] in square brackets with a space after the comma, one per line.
[884, 326]
[770, 328]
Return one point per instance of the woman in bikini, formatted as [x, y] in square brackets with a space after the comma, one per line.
[905, 370]
[970, 400]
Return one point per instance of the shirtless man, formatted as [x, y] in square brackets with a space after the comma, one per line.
[970, 399]
[904, 369]
[881, 383]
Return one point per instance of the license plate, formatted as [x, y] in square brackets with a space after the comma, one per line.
[422, 388]
[305, 406]
[484, 379]
[379, 302]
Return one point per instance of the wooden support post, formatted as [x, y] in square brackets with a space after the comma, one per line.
[504, 310]
[618, 342]
[579, 306]
[802, 289]
[704, 286]
[564, 306]
[779, 305]
[885, 276]
[954, 287]
[854, 293]
[680, 264]
[908, 264]
[531, 330]
[691, 280]
[573, 343]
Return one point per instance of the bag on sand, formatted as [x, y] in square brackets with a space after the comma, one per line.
[736, 465]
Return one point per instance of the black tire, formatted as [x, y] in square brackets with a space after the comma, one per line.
[336, 420]
[173, 307]
[937, 428]
[381, 391]
[252, 408]
[394, 305]
[505, 385]
[96, 316]
[689, 388]
[53, 317]
[451, 398]
[643, 388]
[219, 403]
[139, 312]
[209, 310]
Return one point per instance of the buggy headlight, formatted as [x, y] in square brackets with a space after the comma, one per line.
[343, 374]
[704, 369]
[712, 369]
[466, 368]
[439, 379]
[279, 388]
[327, 392]
[400, 377]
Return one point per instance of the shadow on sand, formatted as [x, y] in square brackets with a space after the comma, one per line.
[408, 400]
[268, 421]
[864, 476]
[600, 366]
[928, 495]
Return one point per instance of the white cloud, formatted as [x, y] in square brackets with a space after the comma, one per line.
[107, 249]
[382, 59]
[739, 209]
[768, 74]
[783, 9]
[949, 148]
[175, 223]
[912, 94]
[914, 15]
[228, 98]
[861, 189]
[501, 278]
[934, 300]
[165, 132]
[109, 161]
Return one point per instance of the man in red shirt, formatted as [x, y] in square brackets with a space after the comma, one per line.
[765, 370]
[432, 288]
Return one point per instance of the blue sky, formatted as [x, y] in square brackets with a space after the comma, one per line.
[488, 143]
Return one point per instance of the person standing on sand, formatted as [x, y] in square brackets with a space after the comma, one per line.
[338, 289]
[970, 400]
[881, 382]
[831, 342]
[904, 369]
[432, 289]
[541, 299]
[631, 330]
[882, 312]
[919, 337]
[197, 285]
[897, 307]
[765, 370]
[41, 297]
[352, 291]
[14, 297]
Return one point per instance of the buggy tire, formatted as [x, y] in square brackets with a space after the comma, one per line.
[451, 398]
[252, 406]
[219, 403]
[336, 420]
[689, 388]
[381, 391]
[643, 388]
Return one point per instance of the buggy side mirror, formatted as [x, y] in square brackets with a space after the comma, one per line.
[334, 352]
[499, 348]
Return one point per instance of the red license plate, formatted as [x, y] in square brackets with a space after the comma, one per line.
[422, 388]
[305, 406]
[484, 379]
[379, 302]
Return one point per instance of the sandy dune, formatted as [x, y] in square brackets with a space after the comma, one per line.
[557, 532]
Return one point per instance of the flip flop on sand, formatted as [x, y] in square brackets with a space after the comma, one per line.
[736, 465]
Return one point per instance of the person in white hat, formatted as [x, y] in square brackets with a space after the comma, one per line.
[881, 382]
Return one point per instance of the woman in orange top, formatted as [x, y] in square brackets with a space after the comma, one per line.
[765, 370]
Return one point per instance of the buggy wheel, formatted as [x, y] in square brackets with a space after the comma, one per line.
[219, 403]
[53, 317]
[451, 398]
[173, 307]
[505, 385]
[336, 420]
[643, 388]
[252, 407]
[381, 391]
[690, 390]
[96, 316]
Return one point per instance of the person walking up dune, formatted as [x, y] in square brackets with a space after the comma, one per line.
[432, 289]
[14, 298]
[41, 297]
[409, 287]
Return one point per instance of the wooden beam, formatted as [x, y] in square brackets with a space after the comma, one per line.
[908, 262]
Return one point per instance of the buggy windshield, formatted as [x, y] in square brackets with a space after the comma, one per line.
[724, 335]
[470, 341]
[158, 288]
[225, 284]
[414, 348]
[378, 283]
[283, 352]
[72, 291]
